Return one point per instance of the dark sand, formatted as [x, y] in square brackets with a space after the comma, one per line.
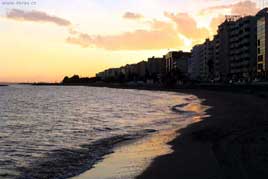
[232, 143]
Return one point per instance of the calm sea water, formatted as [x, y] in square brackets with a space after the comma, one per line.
[58, 132]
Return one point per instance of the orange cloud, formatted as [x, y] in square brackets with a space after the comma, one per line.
[36, 16]
[132, 16]
[240, 8]
[180, 28]
[245, 8]
[215, 22]
[187, 26]
[161, 35]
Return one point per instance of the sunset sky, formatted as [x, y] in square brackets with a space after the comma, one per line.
[46, 40]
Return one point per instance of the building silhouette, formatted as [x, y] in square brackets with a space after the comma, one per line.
[237, 53]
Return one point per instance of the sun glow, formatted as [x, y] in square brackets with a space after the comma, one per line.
[37, 44]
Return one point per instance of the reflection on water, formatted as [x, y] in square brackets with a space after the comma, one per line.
[130, 160]
[41, 127]
[199, 111]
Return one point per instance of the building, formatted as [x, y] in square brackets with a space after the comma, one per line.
[112, 73]
[233, 51]
[156, 68]
[141, 68]
[132, 72]
[223, 61]
[201, 63]
[155, 65]
[238, 52]
[216, 59]
[101, 75]
[194, 63]
[262, 43]
[177, 60]
[242, 49]
[206, 61]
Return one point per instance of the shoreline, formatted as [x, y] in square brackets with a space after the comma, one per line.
[77, 160]
[234, 88]
[231, 143]
[131, 158]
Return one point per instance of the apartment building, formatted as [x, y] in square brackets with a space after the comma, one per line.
[155, 65]
[206, 62]
[262, 43]
[242, 48]
[201, 63]
[177, 60]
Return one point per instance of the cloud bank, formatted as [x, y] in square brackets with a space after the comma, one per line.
[163, 34]
[187, 26]
[240, 8]
[160, 34]
[36, 16]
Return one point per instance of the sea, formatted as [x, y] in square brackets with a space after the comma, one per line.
[58, 132]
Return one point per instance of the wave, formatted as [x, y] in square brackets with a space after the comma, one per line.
[179, 108]
[65, 163]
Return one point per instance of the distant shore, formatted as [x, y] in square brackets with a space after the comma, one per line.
[231, 143]
[243, 88]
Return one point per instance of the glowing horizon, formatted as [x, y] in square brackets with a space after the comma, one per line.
[49, 40]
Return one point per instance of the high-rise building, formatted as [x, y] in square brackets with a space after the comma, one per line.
[223, 37]
[262, 43]
[231, 55]
[242, 48]
[207, 60]
[194, 63]
[216, 55]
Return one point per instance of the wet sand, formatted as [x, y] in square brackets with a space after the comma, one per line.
[231, 143]
[129, 159]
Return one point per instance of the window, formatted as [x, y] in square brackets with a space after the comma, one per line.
[259, 50]
[260, 58]
[260, 67]
[247, 29]
[259, 42]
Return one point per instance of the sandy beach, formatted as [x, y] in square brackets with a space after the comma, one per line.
[231, 143]
[129, 159]
[228, 140]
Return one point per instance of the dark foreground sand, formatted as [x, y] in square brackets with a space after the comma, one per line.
[232, 143]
